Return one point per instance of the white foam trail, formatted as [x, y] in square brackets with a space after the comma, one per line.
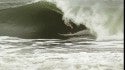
[103, 17]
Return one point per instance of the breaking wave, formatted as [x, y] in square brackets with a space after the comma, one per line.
[47, 18]
[104, 18]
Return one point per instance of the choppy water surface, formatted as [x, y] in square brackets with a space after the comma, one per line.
[102, 19]
[55, 54]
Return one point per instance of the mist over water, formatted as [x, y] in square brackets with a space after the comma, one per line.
[66, 35]
[104, 18]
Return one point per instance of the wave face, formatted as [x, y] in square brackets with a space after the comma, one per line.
[33, 20]
[103, 18]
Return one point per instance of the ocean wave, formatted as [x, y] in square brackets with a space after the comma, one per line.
[37, 20]
[103, 19]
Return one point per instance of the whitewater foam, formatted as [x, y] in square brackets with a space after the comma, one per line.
[54, 54]
[104, 18]
[101, 17]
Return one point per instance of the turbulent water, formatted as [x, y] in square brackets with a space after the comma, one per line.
[104, 18]
[55, 54]
[61, 35]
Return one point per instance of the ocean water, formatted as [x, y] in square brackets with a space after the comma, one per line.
[55, 54]
[39, 35]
